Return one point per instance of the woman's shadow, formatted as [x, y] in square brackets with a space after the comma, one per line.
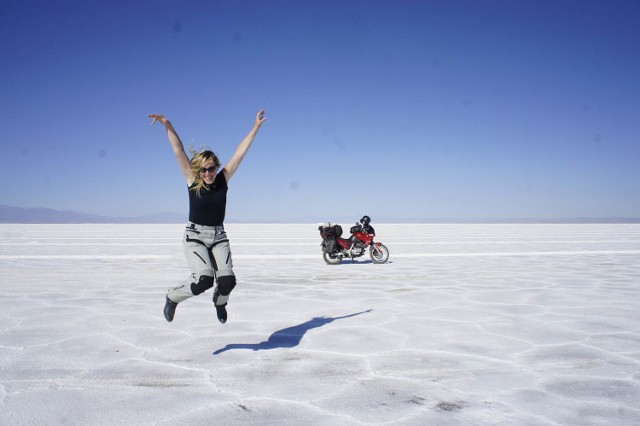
[287, 337]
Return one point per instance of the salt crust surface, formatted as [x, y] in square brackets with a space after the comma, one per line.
[467, 324]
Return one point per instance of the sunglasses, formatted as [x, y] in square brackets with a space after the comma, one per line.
[211, 169]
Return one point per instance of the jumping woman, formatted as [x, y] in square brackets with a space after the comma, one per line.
[205, 241]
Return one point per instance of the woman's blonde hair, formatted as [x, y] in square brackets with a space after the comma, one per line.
[197, 161]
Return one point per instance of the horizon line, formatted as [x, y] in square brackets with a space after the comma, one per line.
[44, 215]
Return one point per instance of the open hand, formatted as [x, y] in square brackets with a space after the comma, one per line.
[161, 118]
[260, 118]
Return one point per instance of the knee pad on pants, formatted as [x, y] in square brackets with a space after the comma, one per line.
[226, 284]
[204, 284]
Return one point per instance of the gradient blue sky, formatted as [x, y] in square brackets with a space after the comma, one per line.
[396, 109]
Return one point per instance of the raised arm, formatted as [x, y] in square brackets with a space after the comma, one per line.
[233, 164]
[176, 144]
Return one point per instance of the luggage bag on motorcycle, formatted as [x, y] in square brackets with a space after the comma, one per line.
[328, 230]
[329, 233]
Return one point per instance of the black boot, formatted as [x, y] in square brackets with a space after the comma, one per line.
[169, 309]
[221, 311]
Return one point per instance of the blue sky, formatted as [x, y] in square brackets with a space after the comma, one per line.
[396, 109]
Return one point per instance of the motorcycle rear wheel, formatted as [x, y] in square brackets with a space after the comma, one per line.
[331, 260]
[379, 254]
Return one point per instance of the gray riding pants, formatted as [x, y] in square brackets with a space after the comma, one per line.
[209, 257]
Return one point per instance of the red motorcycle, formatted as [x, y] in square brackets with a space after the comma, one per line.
[335, 248]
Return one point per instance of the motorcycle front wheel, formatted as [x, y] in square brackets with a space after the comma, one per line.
[379, 254]
[331, 260]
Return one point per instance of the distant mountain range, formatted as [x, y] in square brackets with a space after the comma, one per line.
[9, 214]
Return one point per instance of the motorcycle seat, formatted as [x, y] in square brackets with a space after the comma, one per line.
[344, 242]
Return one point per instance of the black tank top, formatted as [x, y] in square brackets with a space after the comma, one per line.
[209, 208]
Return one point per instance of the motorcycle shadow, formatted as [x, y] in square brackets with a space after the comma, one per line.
[358, 262]
[287, 337]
